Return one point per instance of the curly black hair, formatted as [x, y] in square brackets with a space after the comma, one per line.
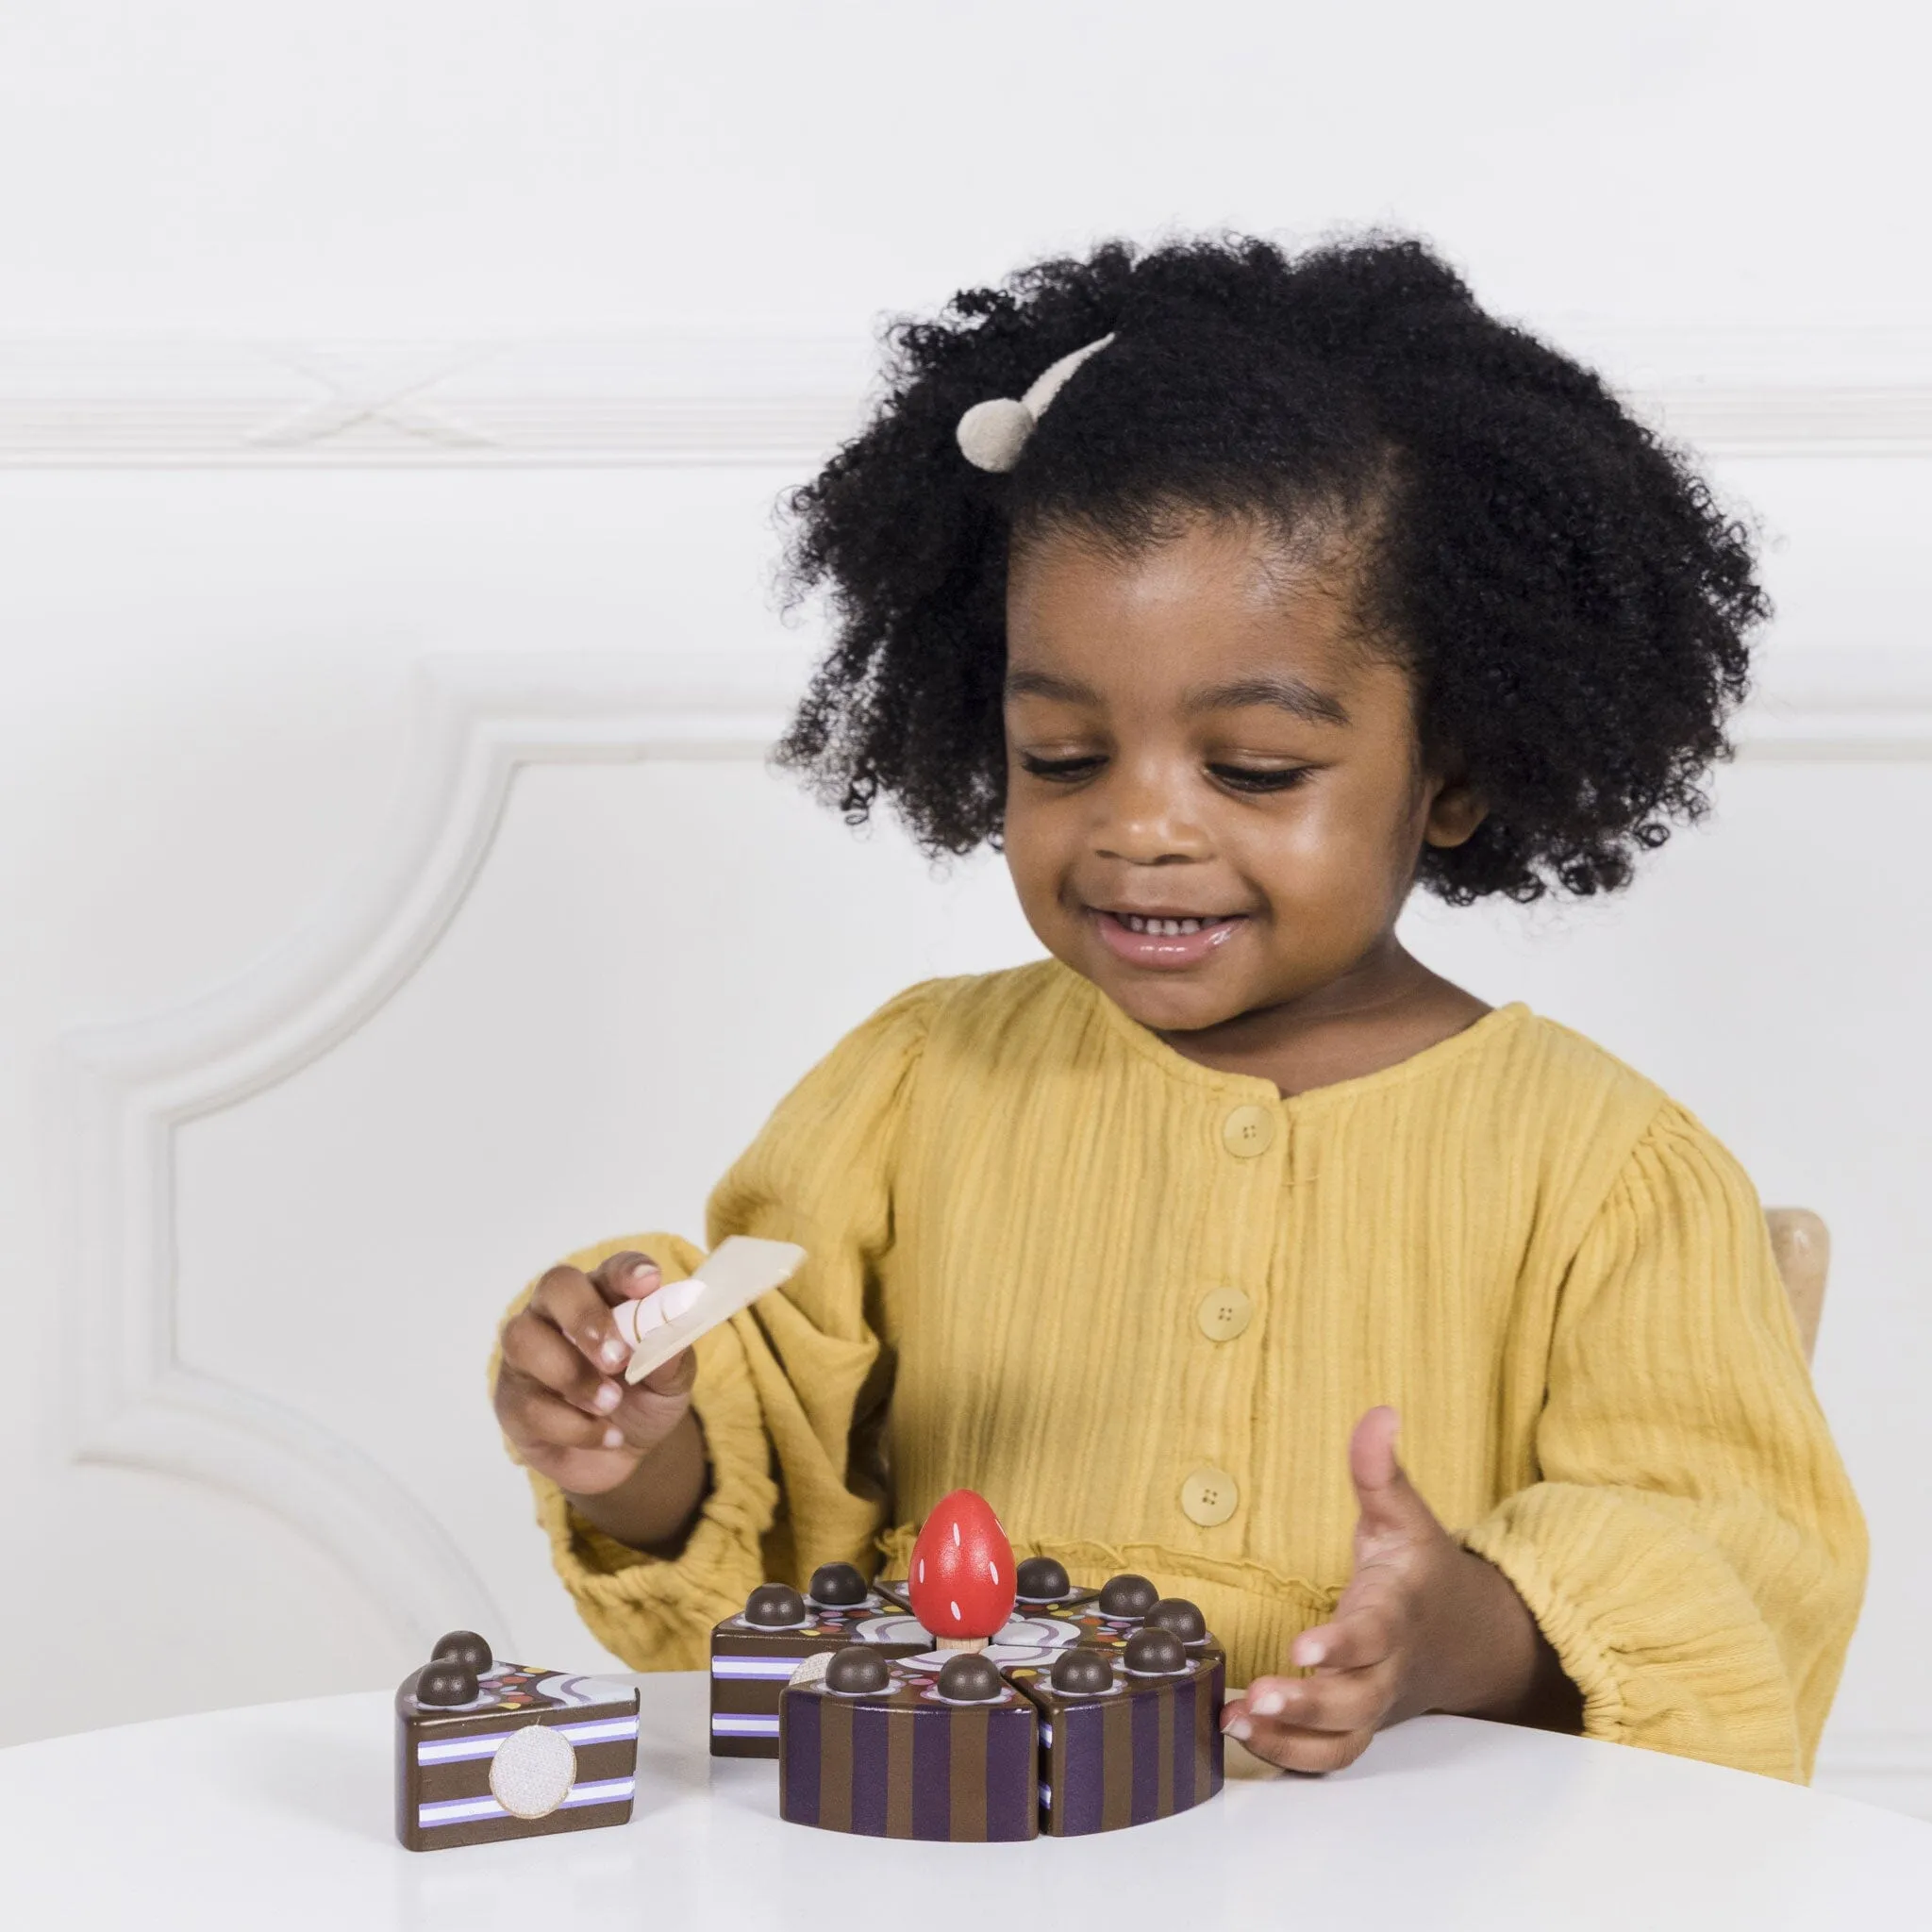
[1570, 601]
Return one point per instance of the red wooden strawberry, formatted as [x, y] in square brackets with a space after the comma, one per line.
[962, 1577]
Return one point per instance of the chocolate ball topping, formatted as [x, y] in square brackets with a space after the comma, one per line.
[467, 1649]
[1081, 1674]
[1041, 1580]
[1156, 1653]
[1178, 1614]
[969, 1678]
[1128, 1597]
[445, 1681]
[858, 1669]
[836, 1585]
[774, 1607]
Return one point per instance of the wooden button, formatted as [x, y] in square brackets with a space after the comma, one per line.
[1209, 1496]
[1224, 1313]
[1248, 1131]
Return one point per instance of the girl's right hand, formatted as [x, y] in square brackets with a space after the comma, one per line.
[561, 1396]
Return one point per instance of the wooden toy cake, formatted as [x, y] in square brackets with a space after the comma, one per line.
[989, 1701]
[488, 1750]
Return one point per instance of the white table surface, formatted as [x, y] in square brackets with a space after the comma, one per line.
[279, 1816]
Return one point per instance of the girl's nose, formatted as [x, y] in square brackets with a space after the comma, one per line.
[1146, 818]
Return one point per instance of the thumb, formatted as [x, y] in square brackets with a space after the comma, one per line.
[1390, 1504]
[672, 1378]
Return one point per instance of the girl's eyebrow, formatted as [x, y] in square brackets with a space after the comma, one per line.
[1291, 694]
[1043, 684]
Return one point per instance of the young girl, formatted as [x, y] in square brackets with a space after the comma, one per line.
[1290, 585]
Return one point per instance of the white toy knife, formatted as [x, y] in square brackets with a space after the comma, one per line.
[732, 1276]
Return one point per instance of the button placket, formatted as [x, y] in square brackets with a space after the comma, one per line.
[1253, 1136]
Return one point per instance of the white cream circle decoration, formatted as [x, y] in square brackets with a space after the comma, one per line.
[532, 1771]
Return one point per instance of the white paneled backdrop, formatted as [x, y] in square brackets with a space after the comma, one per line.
[392, 406]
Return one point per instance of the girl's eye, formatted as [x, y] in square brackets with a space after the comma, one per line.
[1061, 771]
[1260, 777]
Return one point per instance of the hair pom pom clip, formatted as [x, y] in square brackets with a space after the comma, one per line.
[991, 434]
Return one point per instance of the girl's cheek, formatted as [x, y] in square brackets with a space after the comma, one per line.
[1326, 889]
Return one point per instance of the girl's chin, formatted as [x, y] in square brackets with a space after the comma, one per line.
[1167, 1005]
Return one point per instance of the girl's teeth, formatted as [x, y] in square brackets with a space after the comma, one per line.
[1163, 929]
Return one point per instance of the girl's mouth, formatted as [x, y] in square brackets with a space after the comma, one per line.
[1164, 941]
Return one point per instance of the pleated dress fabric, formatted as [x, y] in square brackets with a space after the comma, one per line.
[1138, 1304]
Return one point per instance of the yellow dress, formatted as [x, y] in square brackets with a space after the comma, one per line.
[1139, 1305]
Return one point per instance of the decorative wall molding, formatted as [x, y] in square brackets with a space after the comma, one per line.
[135, 1402]
[641, 402]
[1790, 735]
[782, 401]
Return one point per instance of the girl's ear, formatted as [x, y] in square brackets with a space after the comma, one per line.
[1454, 812]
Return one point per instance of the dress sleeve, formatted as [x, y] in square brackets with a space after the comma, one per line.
[1692, 1550]
[790, 1392]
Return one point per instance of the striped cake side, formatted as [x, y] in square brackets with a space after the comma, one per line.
[903, 1763]
[1147, 1749]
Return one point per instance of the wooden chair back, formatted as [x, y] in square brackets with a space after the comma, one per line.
[1802, 1244]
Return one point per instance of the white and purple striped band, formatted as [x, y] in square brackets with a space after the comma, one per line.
[608, 1791]
[737, 1724]
[609, 1730]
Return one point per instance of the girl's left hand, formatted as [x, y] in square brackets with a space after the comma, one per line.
[1422, 1626]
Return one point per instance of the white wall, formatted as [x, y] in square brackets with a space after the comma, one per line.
[345, 983]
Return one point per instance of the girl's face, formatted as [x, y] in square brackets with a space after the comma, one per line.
[1214, 795]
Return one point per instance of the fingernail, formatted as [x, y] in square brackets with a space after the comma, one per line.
[613, 1438]
[1239, 1729]
[1267, 1703]
[645, 1272]
[607, 1398]
[1308, 1655]
[613, 1351]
